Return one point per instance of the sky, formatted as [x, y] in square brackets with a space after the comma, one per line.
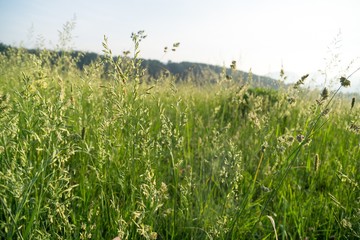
[262, 35]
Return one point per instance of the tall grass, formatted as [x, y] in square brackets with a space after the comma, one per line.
[99, 153]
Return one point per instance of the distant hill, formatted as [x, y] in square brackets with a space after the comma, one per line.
[183, 71]
[187, 71]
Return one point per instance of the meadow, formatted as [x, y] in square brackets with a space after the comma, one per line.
[99, 153]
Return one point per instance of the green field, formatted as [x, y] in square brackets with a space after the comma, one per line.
[98, 153]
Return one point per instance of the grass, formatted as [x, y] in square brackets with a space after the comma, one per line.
[96, 154]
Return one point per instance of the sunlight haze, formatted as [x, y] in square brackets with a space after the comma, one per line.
[259, 35]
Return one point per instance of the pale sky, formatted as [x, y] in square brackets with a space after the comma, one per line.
[259, 34]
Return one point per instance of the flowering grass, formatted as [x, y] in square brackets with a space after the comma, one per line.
[83, 156]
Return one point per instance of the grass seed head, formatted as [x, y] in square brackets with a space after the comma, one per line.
[352, 102]
[344, 82]
[264, 146]
[324, 94]
[325, 112]
[300, 81]
[291, 100]
[233, 65]
[354, 128]
[300, 138]
[316, 163]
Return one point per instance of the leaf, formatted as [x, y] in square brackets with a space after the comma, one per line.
[273, 224]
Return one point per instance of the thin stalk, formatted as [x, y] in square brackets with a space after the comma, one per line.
[245, 201]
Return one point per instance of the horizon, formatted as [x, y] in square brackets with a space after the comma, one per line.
[300, 37]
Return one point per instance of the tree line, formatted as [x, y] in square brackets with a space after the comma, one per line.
[182, 71]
